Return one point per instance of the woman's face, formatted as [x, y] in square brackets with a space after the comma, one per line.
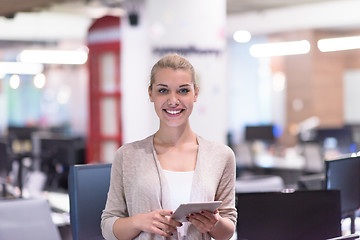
[173, 95]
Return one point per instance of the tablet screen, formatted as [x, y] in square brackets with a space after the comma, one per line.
[184, 209]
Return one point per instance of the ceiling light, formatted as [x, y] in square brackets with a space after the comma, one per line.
[242, 36]
[14, 81]
[64, 95]
[39, 80]
[20, 68]
[54, 56]
[338, 44]
[280, 48]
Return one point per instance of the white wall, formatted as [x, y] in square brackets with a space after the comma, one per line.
[135, 55]
[351, 96]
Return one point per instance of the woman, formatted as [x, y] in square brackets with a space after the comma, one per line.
[151, 177]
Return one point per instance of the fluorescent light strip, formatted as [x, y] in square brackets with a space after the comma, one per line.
[53, 56]
[338, 44]
[280, 48]
[20, 68]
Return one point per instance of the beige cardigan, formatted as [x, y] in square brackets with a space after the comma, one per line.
[138, 185]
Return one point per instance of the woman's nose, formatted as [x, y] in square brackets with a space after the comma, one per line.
[173, 100]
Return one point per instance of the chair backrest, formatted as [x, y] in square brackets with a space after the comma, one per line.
[88, 188]
[299, 215]
[27, 219]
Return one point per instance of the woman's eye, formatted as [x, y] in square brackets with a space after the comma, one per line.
[184, 90]
[162, 90]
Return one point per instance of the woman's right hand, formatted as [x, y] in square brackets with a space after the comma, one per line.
[158, 222]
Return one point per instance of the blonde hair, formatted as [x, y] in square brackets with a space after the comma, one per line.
[175, 62]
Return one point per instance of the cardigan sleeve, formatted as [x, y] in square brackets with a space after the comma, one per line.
[226, 188]
[115, 204]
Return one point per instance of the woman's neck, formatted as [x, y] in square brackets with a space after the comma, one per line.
[174, 136]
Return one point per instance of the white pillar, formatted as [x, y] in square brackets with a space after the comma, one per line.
[196, 29]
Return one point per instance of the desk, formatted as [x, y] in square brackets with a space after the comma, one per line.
[290, 168]
[60, 207]
[345, 226]
[291, 162]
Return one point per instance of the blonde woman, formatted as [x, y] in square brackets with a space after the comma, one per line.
[151, 177]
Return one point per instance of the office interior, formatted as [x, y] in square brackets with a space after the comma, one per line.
[286, 116]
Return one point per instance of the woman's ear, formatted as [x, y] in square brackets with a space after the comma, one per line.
[149, 92]
[196, 94]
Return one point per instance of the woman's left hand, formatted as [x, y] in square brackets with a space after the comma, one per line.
[204, 221]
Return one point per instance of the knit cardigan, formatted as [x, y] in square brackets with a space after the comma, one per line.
[138, 184]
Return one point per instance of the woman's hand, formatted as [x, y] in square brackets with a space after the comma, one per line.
[158, 222]
[204, 221]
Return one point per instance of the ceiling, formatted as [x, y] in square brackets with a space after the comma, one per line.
[260, 17]
[10, 7]
[242, 6]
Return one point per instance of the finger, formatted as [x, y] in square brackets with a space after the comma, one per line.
[161, 232]
[170, 221]
[200, 217]
[163, 229]
[207, 214]
[175, 223]
[200, 226]
[164, 223]
[203, 221]
[164, 212]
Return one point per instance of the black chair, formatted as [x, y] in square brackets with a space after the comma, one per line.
[88, 188]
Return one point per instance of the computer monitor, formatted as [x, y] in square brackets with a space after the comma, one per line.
[284, 216]
[57, 154]
[259, 132]
[21, 133]
[344, 174]
[343, 138]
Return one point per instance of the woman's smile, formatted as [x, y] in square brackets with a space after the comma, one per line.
[173, 112]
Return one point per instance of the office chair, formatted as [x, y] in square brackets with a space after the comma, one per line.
[27, 219]
[88, 188]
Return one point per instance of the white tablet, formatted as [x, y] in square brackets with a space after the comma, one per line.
[184, 209]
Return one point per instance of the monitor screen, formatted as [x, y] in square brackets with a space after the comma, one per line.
[344, 174]
[341, 138]
[260, 132]
[57, 155]
[21, 133]
[284, 216]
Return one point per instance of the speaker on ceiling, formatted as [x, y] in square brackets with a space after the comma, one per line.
[133, 18]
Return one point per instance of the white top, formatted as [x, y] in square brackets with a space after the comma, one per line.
[180, 187]
[180, 190]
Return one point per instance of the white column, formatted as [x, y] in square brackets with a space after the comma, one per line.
[197, 29]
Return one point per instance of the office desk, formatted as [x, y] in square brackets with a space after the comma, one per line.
[60, 207]
[290, 168]
[291, 162]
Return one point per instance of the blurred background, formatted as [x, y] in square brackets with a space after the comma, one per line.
[278, 82]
